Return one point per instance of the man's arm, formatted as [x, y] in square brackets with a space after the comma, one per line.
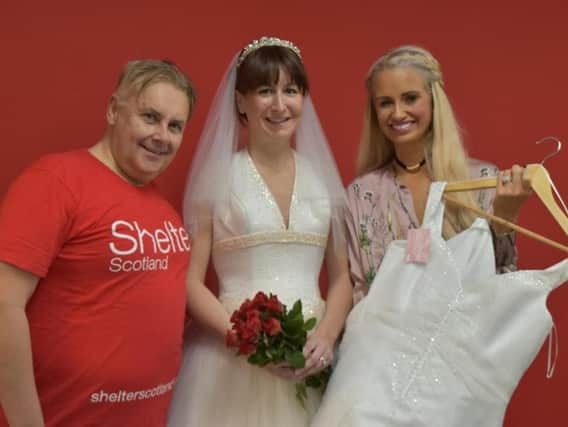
[18, 394]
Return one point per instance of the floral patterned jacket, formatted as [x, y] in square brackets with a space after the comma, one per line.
[380, 210]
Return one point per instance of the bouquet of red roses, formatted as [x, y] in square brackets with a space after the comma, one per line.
[265, 331]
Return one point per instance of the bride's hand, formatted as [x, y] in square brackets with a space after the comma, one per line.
[282, 370]
[318, 352]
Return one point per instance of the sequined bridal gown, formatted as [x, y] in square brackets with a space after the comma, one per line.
[252, 251]
[441, 344]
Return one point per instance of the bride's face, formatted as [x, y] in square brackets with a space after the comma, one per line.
[273, 111]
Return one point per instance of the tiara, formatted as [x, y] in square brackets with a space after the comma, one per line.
[267, 41]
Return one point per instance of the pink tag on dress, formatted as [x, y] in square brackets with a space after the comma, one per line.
[418, 245]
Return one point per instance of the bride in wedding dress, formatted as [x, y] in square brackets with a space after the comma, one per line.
[267, 213]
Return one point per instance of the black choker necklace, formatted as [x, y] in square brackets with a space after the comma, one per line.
[411, 168]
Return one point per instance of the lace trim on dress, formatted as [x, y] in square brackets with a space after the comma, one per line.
[256, 239]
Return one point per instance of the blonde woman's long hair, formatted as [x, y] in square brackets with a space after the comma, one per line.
[445, 154]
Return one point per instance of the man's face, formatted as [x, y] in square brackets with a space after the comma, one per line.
[147, 130]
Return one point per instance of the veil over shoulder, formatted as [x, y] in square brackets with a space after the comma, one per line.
[209, 178]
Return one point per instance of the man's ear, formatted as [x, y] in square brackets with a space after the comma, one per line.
[112, 110]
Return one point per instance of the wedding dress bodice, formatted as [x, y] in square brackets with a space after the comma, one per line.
[253, 249]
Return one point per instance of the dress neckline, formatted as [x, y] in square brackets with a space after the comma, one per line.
[269, 197]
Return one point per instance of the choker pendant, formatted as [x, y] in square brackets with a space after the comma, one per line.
[410, 168]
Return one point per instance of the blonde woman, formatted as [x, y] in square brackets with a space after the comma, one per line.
[441, 342]
[411, 138]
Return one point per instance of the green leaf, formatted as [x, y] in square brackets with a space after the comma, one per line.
[301, 394]
[278, 354]
[270, 353]
[314, 381]
[258, 358]
[309, 324]
[293, 325]
[296, 309]
[319, 380]
[295, 359]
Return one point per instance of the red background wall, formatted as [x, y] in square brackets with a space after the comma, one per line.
[505, 67]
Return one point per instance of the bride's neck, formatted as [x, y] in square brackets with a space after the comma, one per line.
[273, 155]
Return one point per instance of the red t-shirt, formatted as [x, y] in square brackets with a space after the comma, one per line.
[107, 315]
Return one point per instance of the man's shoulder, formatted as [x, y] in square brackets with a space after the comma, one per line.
[63, 161]
[65, 167]
[51, 170]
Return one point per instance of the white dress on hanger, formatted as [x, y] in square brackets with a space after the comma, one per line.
[441, 344]
[254, 251]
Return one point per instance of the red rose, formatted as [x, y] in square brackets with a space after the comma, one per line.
[250, 329]
[271, 326]
[246, 306]
[246, 348]
[238, 325]
[252, 314]
[236, 316]
[274, 304]
[232, 338]
[260, 300]
[253, 321]
[247, 334]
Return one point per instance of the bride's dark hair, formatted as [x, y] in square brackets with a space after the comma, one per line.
[263, 67]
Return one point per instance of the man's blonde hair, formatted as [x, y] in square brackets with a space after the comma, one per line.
[139, 74]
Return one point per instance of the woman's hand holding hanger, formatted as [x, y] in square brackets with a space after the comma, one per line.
[513, 189]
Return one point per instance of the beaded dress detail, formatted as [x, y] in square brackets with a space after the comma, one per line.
[443, 343]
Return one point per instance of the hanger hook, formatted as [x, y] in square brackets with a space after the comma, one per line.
[558, 147]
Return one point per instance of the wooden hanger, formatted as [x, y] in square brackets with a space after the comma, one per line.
[541, 184]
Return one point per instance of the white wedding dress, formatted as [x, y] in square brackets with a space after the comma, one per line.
[254, 251]
[441, 344]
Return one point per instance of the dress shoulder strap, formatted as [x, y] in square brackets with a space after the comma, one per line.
[434, 212]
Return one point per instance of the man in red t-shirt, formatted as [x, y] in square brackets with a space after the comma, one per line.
[92, 268]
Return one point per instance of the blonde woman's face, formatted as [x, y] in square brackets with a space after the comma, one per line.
[403, 105]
